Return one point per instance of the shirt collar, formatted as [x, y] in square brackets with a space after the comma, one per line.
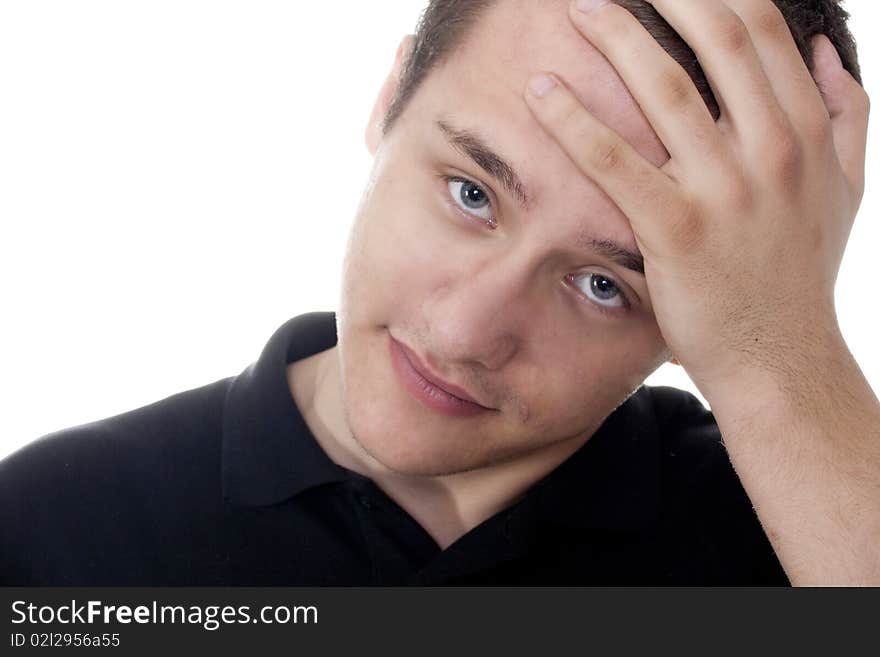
[270, 455]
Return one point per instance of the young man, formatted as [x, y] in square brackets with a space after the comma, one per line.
[529, 248]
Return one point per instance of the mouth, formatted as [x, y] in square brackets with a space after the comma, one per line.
[431, 391]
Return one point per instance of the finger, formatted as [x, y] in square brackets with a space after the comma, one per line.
[848, 106]
[733, 69]
[644, 193]
[793, 86]
[664, 91]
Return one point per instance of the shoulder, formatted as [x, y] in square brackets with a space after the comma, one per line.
[181, 423]
[703, 496]
[691, 447]
[91, 484]
[690, 441]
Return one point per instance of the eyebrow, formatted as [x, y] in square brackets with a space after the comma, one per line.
[613, 251]
[470, 144]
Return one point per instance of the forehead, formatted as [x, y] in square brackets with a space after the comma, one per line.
[483, 80]
[515, 38]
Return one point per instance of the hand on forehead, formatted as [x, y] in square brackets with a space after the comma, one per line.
[516, 37]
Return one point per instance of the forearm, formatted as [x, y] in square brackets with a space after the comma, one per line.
[806, 447]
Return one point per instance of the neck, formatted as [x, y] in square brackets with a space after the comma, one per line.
[447, 506]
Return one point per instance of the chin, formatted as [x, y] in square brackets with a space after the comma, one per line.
[391, 427]
[402, 446]
[409, 446]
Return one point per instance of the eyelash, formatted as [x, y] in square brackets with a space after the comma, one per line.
[492, 222]
[608, 311]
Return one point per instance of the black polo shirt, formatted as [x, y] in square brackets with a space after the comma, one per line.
[225, 485]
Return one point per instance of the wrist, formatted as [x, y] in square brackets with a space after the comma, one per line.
[787, 374]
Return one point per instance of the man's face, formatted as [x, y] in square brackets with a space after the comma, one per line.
[526, 317]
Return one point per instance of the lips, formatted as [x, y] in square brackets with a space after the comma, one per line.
[435, 380]
[433, 393]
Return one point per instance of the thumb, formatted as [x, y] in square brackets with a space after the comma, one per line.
[848, 106]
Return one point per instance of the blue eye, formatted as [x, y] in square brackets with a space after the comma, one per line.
[601, 289]
[470, 197]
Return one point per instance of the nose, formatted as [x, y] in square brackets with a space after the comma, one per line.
[480, 314]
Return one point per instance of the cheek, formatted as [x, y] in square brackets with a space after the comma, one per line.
[399, 249]
[580, 380]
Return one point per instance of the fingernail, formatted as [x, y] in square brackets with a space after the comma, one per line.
[587, 6]
[540, 84]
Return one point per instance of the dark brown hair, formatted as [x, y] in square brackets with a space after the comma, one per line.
[444, 25]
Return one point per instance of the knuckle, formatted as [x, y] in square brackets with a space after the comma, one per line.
[783, 161]
[676, 88]
[731, 35]
[568, 118]
[770, 21]
[856, 98]
[608, 156]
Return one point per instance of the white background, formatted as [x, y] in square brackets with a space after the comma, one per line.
[177, 178]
